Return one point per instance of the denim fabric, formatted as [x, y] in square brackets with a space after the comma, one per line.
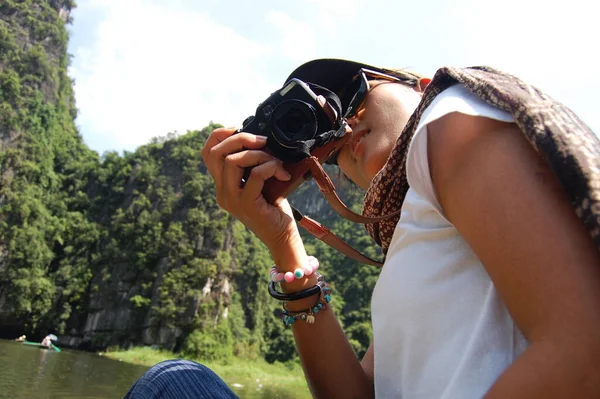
[179, 379]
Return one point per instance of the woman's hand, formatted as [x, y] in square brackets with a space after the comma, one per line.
[226, 155]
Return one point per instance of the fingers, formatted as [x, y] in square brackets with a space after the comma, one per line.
[221, 143]
[217, 136]
[238, 142]
[250, 158]
[327, 108]
[234, 165]
[258, 175]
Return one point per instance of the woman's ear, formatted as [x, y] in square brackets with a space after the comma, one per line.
[422, 84]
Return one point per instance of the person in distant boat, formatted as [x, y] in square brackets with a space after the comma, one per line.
[21, 338]
[47, 341]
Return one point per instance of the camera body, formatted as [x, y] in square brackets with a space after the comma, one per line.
[291, 118]
[301, 126]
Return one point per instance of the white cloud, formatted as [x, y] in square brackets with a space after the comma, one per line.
[520, 34]
[335, 21]
[155, 66]
[153, 69]
[297, 38]
[344, 11]
[547, 43]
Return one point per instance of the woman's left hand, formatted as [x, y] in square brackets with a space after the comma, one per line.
[227, 155]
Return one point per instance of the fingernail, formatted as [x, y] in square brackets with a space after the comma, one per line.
[321, 100]
[261, 138]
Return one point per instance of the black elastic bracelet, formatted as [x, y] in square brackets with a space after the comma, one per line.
[294, 296]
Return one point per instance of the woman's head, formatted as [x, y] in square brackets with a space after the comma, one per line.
[377, 118]
[375, 129]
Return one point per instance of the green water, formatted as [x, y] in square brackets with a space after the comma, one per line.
[27, 372]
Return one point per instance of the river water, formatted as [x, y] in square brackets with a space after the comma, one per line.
[28, 372]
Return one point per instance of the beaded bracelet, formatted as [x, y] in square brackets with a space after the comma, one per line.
[308, 315]
[294, 296]
[310, 268]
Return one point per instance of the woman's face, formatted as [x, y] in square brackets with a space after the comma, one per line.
[375, 129]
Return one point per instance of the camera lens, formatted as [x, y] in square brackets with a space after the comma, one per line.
[294, 121]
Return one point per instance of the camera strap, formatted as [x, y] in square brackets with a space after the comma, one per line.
[328, 190]
[332, 99]
[321, 232]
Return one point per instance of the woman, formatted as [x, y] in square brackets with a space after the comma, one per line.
[491, 282]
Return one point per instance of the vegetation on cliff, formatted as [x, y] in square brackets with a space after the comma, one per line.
[129, 249]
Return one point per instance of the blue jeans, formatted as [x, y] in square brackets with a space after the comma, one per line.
[179, 379]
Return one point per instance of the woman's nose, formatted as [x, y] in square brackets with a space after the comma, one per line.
[354, 120]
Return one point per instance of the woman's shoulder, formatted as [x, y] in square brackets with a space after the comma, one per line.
[452, 111]
[458, 98]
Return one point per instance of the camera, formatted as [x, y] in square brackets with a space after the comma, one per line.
[304, 129]
[294, 121]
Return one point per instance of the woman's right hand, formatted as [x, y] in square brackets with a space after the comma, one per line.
[226, 155]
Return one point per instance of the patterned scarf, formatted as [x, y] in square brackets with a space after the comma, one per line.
[556, 133]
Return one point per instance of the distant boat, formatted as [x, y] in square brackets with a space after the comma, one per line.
[51, 347]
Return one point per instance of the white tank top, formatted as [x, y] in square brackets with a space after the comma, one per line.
[440, 328]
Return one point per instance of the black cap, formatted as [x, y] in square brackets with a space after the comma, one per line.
[335, 74]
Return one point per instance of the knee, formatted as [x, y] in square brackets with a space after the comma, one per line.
[175, 378]
[164, 369]
[160, 380]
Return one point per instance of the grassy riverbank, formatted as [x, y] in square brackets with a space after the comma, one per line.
[246, 377]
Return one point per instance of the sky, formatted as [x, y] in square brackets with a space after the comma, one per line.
[145, 68]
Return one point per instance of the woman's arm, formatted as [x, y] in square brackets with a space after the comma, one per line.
[330, 365]
[504, 200]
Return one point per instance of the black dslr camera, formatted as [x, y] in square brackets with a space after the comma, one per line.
[294, 121]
